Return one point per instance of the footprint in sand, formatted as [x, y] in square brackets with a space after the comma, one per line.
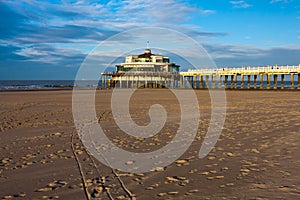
[53, 186]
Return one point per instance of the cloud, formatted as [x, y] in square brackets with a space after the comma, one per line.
[247, 55]
[62, 34]
[29, 24]
[115, 14]
[281, 1]
[204, 34]
[240, 4]
[206, 12]
[77, 20]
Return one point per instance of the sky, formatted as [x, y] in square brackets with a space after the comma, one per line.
[48, 40]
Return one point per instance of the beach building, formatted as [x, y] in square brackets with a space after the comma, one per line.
[146, 70]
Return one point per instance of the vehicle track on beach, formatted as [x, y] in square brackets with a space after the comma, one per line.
[97, 183]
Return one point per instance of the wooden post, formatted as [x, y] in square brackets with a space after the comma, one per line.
[160, 84]
[293, 81]
[108, 83]
[268, 81]
[120, 81]
[172, 81]
[275, 81]
[201, 82]
[220, 81]
[298, 81]
[103, 81]
[226, 81]
[282, 81]
[195, 82]
[207, 81]
[213, 84]
[249, 82]
[242, 81]
[255, 82]
[261, 80]
[232, 82]
[235, 81]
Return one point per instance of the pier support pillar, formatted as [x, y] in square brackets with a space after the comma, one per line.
[282, 81]
[293, 81]
[232, 81]
[201, 82]
[173, 82]
[261, 79]
[220, 81]
[242, 81]
[275, 81]
[194, 82]
[235, 81]
[249, 82]
[160, 85]
[213, 84]
[103, 81]
[226, 81]
[255, 82]
[268, 81]
[298, 81]
[120, 82]
[207, 81]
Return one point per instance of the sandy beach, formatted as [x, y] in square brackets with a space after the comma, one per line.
[256, 157]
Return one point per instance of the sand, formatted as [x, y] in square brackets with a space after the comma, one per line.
[257, 155]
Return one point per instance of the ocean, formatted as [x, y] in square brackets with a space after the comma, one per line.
[44, 84]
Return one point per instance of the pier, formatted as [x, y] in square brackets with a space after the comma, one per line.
[242, 78]
[148, 70]
[268, 77]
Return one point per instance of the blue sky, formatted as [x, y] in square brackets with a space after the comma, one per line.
[50, 39]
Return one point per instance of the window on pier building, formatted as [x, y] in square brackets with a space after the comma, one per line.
[119, 68]
[173, 68]
[166, 60]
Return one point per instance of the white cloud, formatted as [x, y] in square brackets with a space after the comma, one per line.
[207, 12]
[277, 1]
[240, 4]
[239, 55]
[113, 14]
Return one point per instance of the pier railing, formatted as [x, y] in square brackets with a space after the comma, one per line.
[245, 70]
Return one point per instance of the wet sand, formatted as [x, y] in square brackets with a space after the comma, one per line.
[257, 155]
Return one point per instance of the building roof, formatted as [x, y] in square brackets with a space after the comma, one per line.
[146, 54]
